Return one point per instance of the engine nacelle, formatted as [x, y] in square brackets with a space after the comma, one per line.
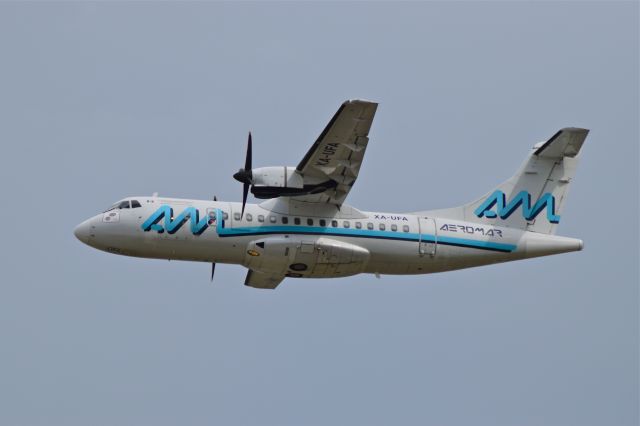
[277, 177]
[271, 182]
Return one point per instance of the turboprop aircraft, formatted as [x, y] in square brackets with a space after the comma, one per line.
[304, 228]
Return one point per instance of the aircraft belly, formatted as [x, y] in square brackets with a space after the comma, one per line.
[390, 257]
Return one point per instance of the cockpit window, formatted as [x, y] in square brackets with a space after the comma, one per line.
[123, 205]
[135, 204]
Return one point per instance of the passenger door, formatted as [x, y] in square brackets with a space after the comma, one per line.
[428, 236]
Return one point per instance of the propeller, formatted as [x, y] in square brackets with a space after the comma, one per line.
[245, 176]
[213, 270]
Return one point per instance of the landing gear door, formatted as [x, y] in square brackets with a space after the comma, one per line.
[428, 236]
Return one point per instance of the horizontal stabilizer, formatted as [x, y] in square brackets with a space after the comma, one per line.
[565, 143]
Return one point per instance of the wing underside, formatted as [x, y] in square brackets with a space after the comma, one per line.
[336, 156]
[262, 280]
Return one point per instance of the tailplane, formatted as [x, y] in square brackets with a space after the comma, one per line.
[533, 198]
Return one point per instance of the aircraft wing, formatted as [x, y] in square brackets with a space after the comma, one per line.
[336, 156]
[262, 280]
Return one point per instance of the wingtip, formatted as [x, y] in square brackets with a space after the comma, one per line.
[359, 101]
[574, 129]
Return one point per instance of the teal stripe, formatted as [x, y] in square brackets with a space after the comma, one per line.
[361, 233]
[476, 244]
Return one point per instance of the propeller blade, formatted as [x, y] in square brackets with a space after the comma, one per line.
[247, 161]
[213, 270]
[245, 191]
[247, 174]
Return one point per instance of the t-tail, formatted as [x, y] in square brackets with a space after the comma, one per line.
[533, 198]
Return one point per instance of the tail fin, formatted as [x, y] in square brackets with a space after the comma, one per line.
[533, 198]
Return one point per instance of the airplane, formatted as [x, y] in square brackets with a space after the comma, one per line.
[304, 228]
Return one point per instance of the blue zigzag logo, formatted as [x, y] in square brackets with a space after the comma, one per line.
[172, 225]
[523, 198]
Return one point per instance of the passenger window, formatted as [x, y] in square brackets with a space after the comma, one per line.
[310, 222]
[236, 216]
[382, 227]
[124, 205]
[272, 219]
[334, 223]
[405, 228]
[394, 227]
[323, 222]
[249, 217]
[225, 215]
[346, 224]
[296, 220]
[135, 204]
[358, 225]
[369, 225]
[285, 220]
[260, 218]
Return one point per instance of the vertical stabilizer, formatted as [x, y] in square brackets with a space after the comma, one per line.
[533, 198]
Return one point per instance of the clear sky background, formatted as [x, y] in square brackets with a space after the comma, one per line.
[101, 101]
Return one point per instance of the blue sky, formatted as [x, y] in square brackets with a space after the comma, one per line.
[101, 101]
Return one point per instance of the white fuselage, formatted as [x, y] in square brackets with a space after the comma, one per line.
[311, 243]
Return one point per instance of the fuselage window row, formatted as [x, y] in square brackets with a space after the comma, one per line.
[299, 221]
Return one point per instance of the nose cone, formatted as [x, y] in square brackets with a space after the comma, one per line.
[82, 231]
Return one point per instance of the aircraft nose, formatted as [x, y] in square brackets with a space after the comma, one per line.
[82, 231]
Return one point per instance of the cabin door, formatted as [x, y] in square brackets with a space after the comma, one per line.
[427, 236]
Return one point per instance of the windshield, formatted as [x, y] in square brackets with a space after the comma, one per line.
[124, 204]
[119, 205]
